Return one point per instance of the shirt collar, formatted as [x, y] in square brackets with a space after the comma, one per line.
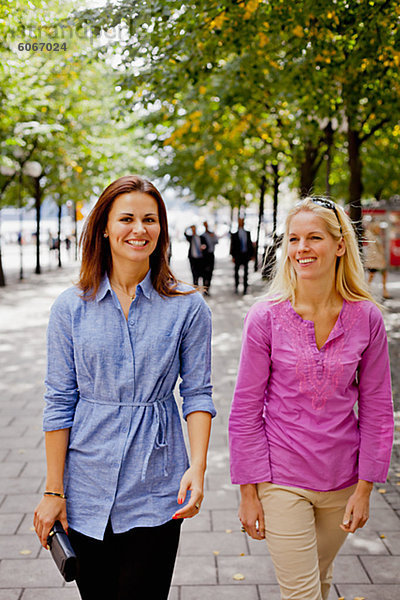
[145, 286]
[104, 287]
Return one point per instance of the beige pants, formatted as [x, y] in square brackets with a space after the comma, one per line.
[303, 537]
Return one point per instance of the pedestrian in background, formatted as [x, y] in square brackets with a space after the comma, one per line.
[316, 347]
[195, 254]
[242, 251]
[118, 474]
[208, 242]
[374, 255]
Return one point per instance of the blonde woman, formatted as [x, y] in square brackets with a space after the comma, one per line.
[304, 458]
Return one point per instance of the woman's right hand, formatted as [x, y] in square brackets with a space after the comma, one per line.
[251, 512]
[49, 510]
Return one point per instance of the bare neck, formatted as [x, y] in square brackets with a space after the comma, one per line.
[318, 296]
[128, 276]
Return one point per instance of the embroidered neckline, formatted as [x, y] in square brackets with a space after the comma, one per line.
[318, 371]
[336, 330]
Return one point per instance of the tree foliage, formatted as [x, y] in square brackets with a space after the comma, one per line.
[295, 72]
[57, 108]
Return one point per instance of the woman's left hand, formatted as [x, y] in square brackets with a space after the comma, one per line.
[193, 480]
[357, 509]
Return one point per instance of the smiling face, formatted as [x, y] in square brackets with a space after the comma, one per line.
[133, 228]
[312, 250]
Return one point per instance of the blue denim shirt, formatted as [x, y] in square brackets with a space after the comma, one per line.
[111, 380]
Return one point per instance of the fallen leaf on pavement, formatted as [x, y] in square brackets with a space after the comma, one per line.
[238, 577]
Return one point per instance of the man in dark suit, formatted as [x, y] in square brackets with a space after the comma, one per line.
[242, 251]
[208, 242]
[195, 254]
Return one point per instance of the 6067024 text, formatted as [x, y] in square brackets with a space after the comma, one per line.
[42, 46]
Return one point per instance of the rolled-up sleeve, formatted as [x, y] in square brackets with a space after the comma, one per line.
[249, 452]
[375, 405]
[195, 361]
[61, 384]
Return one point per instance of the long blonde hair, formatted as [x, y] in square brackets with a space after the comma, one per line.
[349, 281]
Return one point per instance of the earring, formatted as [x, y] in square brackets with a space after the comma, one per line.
[105, 235]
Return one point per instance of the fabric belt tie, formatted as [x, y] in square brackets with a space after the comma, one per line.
[159, 434]
[158, 428]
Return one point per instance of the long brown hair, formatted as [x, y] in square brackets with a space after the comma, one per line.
[96, 254]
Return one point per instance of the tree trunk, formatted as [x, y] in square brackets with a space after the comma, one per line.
[356, 185]
[275, 171]
[2, 278]
[328, 156]
[76, 232]
[269, 261]
[38, 197]
[260, 215]
[59, 236]
[20, 236]
[308, 170]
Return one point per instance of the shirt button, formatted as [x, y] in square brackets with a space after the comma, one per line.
[131, 323]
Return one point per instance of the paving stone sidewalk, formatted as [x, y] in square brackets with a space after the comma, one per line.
[212, 549]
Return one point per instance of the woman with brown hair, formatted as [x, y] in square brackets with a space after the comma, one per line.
[116, 459]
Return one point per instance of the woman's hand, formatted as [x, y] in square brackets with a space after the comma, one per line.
[49, 510]
[251, 512]
[193, 480]
[357, 508]
[52, 508]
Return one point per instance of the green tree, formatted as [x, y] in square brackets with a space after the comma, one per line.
[229, 49]
[315, 62]
[60, 110]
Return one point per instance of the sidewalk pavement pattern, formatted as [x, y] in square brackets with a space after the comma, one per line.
[215, 561]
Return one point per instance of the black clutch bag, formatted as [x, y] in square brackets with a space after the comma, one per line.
[62, 552]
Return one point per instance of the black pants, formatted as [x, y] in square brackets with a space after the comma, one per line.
[238, 263]
[209, 260]
[135, 565]
[197, 268]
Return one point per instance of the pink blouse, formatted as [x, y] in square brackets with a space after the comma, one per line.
[294, 414]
